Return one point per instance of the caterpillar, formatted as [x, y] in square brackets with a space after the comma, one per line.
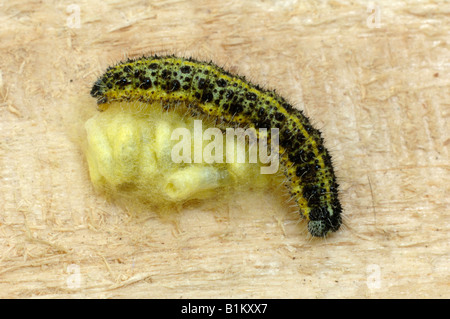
[208, 89]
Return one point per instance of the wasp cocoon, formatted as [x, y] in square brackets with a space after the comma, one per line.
[129, 153]
[194, 182]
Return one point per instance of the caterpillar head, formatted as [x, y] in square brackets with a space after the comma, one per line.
[323, 220]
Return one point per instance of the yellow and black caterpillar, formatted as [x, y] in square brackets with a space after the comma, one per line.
[210, 90]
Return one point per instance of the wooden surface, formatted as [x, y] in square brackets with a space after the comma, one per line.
[378, 89]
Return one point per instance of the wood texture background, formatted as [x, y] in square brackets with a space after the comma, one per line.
[378, 89]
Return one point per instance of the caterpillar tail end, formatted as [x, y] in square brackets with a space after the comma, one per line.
[98, 91]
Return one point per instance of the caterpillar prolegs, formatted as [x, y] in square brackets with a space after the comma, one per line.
[210, 90]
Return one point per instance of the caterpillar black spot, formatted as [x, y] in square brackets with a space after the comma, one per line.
[208, 89]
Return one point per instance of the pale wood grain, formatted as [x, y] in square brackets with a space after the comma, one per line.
[380, 96]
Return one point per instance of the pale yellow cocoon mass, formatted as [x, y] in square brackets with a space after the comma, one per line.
[129, 153]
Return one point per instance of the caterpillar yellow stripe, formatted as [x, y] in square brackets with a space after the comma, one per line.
[210, 90]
